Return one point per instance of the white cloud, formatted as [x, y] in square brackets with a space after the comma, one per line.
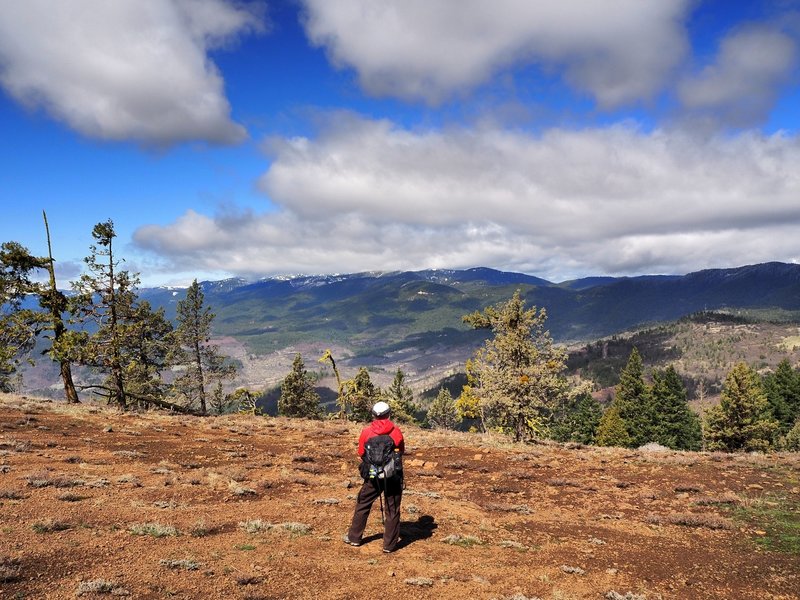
[367, 195]
[125, 69]
[619, 51]
[744, 83]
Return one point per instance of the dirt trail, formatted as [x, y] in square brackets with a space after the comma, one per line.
[480, 519]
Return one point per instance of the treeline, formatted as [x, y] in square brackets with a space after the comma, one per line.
[142, 358]
[516, 383]
[755, 413]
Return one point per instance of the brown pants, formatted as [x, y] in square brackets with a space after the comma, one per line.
[392, 490]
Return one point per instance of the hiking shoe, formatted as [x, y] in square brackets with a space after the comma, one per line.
[349, 542]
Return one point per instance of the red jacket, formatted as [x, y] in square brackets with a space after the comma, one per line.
[381, 427]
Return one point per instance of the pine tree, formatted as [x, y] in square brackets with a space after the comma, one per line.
[298, 396]
[104, 296]
[634, 403]
[443, 414]
[742, 420]
[18, 326]
[400, 399]
[611, 430]
[147, 345]
[675, 425]
[520, 371]
[193, 349]
[577, 419]
[220, 402]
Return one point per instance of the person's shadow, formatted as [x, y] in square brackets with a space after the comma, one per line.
[413, 531]
[410, 531]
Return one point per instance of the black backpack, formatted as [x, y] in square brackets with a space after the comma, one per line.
[380, 460]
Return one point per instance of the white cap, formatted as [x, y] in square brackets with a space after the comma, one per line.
[380, 410]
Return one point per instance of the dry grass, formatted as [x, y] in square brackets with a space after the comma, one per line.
[183, 564]
[100, 586]
[729, 499]
[50, 526]
[691, 520]
[465, 541]
[156, 530]
[10, 569]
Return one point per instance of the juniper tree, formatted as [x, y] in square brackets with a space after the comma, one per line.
[298, 396]
[18, 326]
[400, 399]
[442, 413]
[361, 394]
[675, 425]
[519, 369]
[193, 349]
[468, 402]
[246, 401]
[742, 420]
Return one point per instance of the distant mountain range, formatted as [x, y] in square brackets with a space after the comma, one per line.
[379, 313]
[412, 320]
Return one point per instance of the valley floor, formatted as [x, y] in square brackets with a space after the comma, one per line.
[96, 503]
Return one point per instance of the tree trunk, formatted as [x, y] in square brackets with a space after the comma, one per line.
[58, 324]
[200, 377]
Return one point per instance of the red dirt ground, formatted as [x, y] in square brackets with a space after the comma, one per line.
[550, 522]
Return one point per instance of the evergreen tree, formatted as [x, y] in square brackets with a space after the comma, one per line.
[193, 349]
[443, 414]
[611, 430]
[468, 403]
[634, 403]
[298, 396]
[782, 388]
[520, 370]
[220, 402]
[400, 399]
[246, 401]
[742, 420]
[791, 441]
[675, 425]
[578, 418]
[104, 296]
[361, 395]
[146, 346]
[18, 326]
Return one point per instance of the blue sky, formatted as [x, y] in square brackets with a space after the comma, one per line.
[308, 136]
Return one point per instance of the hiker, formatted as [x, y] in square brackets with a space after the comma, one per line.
[380, 442]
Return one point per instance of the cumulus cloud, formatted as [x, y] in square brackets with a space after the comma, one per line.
[620, 51]
[743, 84]
[368, 195]
[126, 69]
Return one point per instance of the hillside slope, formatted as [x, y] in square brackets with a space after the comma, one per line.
[480, 519]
